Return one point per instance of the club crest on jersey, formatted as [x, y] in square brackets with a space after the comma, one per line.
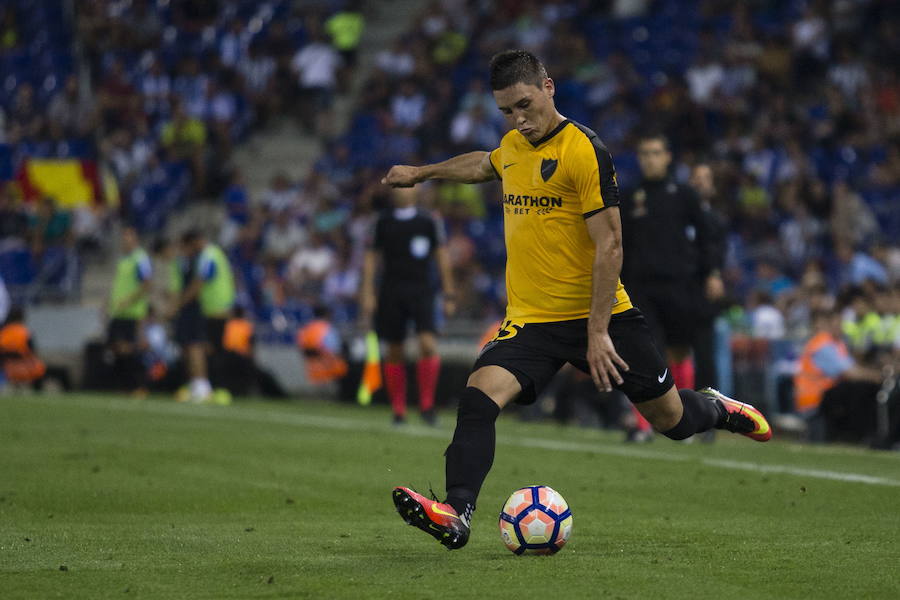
[548, 168]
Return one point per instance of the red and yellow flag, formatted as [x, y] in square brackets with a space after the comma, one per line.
[71, 182]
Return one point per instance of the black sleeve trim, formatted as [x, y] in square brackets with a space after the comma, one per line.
[496, 172]
[609, 189]
[591, 213]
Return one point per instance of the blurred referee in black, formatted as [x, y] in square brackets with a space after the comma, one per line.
[408, 241]
[673, 254]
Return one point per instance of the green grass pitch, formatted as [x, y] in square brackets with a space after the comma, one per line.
[105, 497]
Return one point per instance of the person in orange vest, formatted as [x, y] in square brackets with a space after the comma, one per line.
[238, 336]
[320, 344]
[830, 387]
[241, 375]
[237, 344]
[20, 363]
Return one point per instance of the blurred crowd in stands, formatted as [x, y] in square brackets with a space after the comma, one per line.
[145, 100]
[795, 105]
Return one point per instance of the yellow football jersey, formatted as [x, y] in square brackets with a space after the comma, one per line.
[549, 189]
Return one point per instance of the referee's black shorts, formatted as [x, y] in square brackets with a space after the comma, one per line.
[400, 305]
[534, 352]
[672, 309]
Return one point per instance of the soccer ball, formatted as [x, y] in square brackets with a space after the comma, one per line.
[535, 520]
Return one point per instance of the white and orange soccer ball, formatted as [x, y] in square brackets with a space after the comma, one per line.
[535, 520]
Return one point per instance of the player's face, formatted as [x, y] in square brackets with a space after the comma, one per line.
[528, 108]
[654, 159]
[129, 239]
[702, 180]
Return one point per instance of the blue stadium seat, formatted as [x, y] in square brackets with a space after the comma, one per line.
[7, 169]
[17, 267]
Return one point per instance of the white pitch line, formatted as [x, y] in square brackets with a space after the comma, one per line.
[817, 473]
[316, 421]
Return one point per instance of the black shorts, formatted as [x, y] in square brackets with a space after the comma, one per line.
[190, 327]
[215, 332]
[398, 306]
[122, 330]
[534, 352]
[672, 310]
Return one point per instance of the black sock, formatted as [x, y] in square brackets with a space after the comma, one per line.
[700, 414]
[471, 453]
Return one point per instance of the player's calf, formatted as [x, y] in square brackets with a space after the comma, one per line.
[679, 414]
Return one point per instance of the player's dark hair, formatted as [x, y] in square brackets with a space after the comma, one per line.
[516, 66]
[191, 235]
[655, 136]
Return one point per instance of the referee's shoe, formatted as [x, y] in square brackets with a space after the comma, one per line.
[437, 519]
[740, 418]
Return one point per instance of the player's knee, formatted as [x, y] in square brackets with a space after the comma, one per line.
[395, 353]
[427, 345]
[497, 383]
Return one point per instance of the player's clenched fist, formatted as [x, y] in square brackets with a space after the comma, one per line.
[402, 176]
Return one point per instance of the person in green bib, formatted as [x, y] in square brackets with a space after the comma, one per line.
[128, 305]
[210, 288]
[346, 28]
[217, 292]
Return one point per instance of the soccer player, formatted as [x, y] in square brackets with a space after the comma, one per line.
[128, 305]
[190, 330]
[566, 303]
[408, 241]
[206, 296]
[216, 293]
[216, 287]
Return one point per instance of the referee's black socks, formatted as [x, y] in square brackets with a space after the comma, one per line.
[471, 453]
[701, 413]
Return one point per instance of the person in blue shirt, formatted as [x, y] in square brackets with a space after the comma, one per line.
[855, 267]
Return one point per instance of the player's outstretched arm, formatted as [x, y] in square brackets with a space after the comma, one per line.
[472, 167]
